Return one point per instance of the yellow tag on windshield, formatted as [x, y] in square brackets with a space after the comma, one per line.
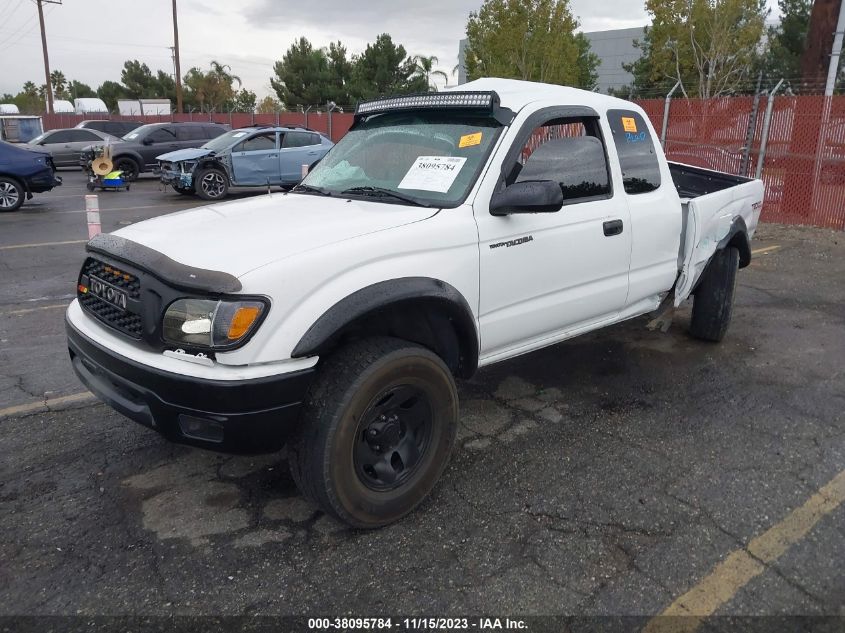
[629, 124]
[468, 140]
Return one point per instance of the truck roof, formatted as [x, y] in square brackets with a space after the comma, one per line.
[516, 94]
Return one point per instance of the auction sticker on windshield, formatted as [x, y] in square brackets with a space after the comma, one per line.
[433, 173]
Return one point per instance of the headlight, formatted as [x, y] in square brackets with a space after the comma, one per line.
[210, 323]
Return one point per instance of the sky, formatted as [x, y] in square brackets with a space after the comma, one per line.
[90, 39]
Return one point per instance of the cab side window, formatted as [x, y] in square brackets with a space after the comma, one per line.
[635, 146]
[298, 139]
[570, 152]
[162, 135]
[263, 141]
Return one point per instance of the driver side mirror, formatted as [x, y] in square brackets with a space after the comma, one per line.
[147, 141]
[529, 196]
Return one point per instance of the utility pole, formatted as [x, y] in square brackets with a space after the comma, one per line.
[48, 87]
[816, 59]
[836, 53]
[176, 60]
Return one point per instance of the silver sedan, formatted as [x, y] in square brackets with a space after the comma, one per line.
[66, 145]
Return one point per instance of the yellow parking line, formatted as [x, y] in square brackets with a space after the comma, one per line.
[36, 245]
[28, 310]
[767, 249]
[46, 405]
[732, 574]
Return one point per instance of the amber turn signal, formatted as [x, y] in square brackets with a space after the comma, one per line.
[242, 321]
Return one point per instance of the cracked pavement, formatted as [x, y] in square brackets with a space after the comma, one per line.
[605, 475]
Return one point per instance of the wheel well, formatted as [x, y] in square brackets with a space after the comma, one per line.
[739, 241]
[434, 323]
[121, 157]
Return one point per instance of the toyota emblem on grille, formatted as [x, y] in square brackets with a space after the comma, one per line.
[108, 293]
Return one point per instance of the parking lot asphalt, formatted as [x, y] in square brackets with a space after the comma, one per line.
[628, 472]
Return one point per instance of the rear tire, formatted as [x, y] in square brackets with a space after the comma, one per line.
[714, 297]
[211, 184]
[377, 429]
[12, 194]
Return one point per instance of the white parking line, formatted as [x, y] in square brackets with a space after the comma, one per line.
[48, 404]
[28, 310]
[38, 244]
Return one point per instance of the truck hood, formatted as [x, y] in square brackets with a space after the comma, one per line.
[240, 236]
[184, 154]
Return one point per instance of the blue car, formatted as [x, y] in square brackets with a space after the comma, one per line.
[246, 157]
[23, 172]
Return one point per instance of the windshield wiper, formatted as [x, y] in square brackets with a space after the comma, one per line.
[381, 192]
[300, 188]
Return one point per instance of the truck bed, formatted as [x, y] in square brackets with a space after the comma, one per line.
[692, 182]
[711, 203]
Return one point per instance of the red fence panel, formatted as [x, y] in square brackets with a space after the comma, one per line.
[804, 166]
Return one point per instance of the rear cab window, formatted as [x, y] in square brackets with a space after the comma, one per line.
[635, 147]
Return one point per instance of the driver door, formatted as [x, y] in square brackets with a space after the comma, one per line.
[544, 275]
[255, 160]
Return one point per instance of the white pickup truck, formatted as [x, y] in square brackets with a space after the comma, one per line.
[445, 232]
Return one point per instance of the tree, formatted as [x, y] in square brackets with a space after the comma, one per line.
[302, 77]
[340, 73]
[424, 69]
[30, 99]
[269, 105]
[59, 84]
[211, 90]
[528, 39]
[786, 42]
[382, 69]
[709, 46]
[78, 90]
[244, 101]
[110, 91]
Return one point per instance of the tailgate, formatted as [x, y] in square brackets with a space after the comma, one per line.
[707, 221]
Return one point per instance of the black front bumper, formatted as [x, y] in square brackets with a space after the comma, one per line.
[43, 181]
[252, 416]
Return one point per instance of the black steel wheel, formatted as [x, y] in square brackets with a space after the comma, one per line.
[12, 194]
[393, 435]
[376, 432]
[212, 184]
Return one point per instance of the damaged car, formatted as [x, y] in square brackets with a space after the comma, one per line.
[246, 157]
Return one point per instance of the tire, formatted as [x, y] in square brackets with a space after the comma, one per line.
[211, 184]
[128, 166]
[185, 191]
[714, 297]
[377, 429]
[12, 194]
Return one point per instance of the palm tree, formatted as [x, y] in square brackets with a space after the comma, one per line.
[424, 67]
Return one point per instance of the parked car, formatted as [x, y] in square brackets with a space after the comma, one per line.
[23, 172]
[247, 157]
[115, 128]
[336, 317]
[137, 151]
[66, 145]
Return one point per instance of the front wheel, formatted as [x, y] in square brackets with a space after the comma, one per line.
[377, 429]
[129, 168]
[212, 184]
[12, 194]
[714, 297]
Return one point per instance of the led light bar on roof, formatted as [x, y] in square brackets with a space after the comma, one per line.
[471, 100]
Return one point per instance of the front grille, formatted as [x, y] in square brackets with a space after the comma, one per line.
[112, 275]
[121, 320]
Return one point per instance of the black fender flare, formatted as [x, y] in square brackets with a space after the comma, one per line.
[737, 237]
[324, 332]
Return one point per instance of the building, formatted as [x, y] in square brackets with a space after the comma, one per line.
[615, 48]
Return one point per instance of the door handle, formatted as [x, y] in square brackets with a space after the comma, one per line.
[613, 227]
